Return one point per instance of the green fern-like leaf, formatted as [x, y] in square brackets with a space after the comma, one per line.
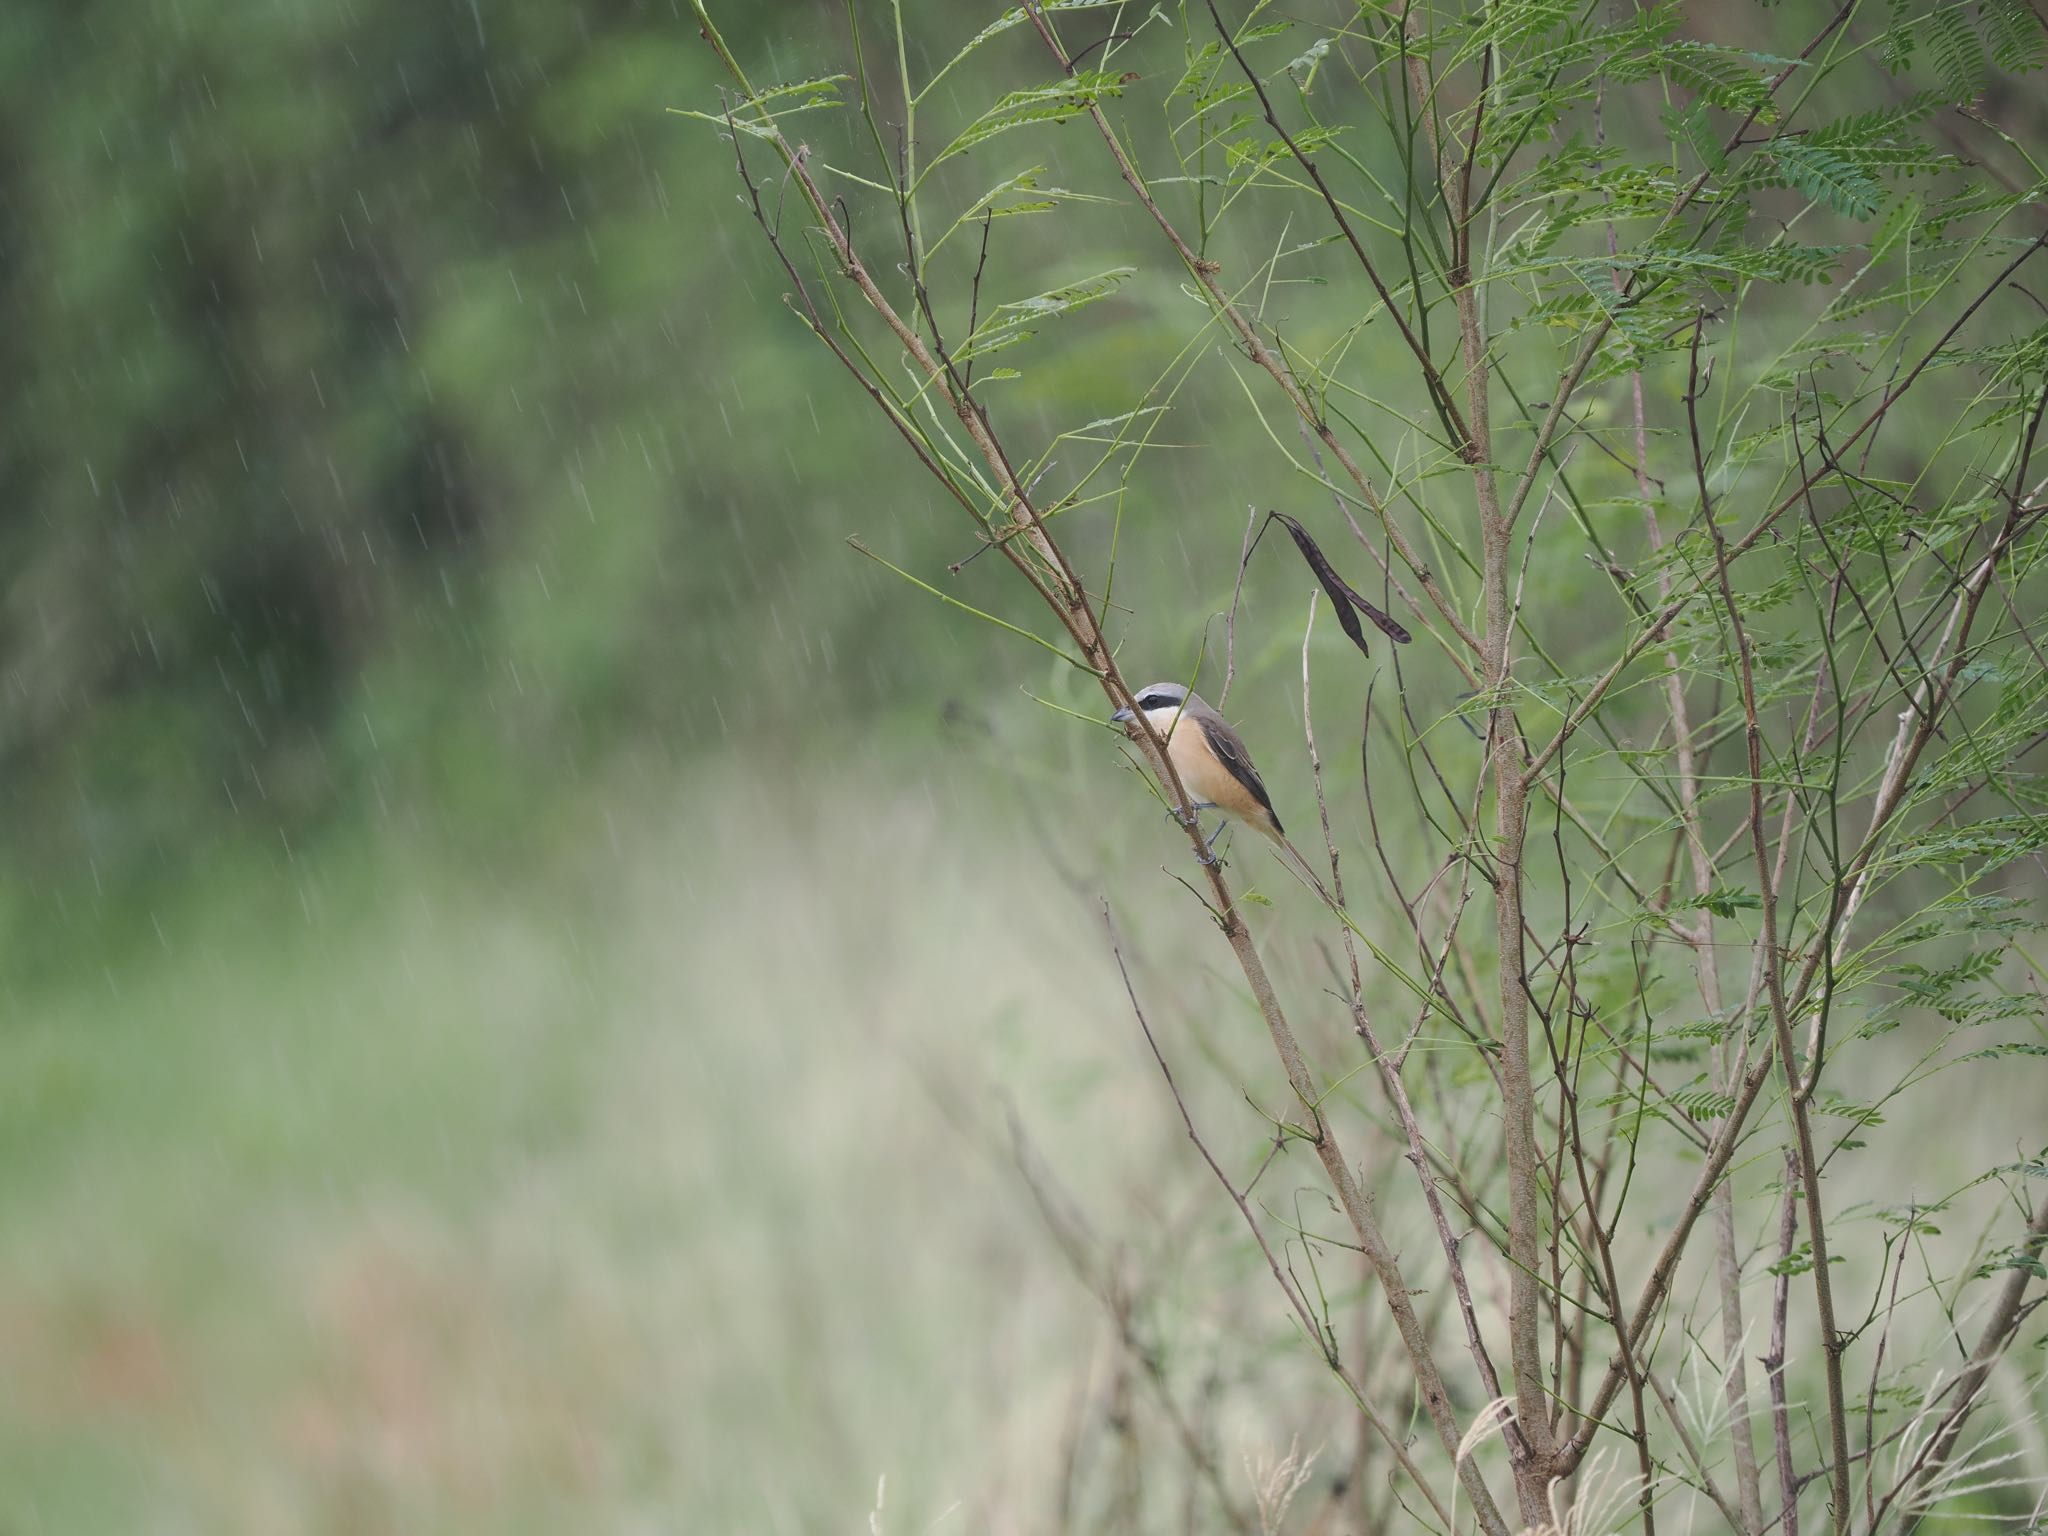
[1018, 320]
[2014, 30]
[1513, 24]
[1200, 73]
[1861, 127]
[1723, 77]
[1054, 102]
[1957, 53]
[1783, 261]
[1016, 16]
[1996, 841]
[1703, 1103]
[1900, 40]
[1689, 126]
[2009, 1048]
[1883, 142]
[2019, 1256]
[1826, 177]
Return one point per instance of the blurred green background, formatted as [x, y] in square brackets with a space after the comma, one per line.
[519, 941]
[489, 875]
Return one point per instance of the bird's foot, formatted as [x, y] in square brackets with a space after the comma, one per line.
[1189, 818]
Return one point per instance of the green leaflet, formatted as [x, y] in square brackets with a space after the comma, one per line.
[1956, 45]
[2018, 1256]
[1017, 321]
[1957, 54]
[1054, 102]
[1826, 177]
[2014, 30]
[1014, 17]
[1996, 841]
[1730, 78]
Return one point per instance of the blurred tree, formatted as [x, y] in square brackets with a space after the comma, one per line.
[367, 420]
[382, 422]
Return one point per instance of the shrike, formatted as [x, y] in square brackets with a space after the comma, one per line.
[1211, 759]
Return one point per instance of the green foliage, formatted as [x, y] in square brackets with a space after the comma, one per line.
[1054, 102]
[1962, 41]
[1017, 320]
[2026, 1260]
[1721, 902]
[417, 427]
[1827, 178]
[1799, 1261]
[1666, 295]
[2019, 41]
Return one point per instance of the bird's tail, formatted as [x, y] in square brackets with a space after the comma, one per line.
[1297, 863]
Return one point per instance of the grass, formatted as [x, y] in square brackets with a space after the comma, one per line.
[380, 1192]
[651, 1173]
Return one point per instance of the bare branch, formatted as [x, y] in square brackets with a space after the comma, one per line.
[1772, 960]
[1244, 559]
[1325, 1342]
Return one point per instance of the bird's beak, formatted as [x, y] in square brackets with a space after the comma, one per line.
[1121, 717]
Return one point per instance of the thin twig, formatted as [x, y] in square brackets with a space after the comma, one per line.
[1832, 1340]
[1325, 1342]
[1774, 1359]
[1992, 1342]
[1244, 559]
[1396, 1090]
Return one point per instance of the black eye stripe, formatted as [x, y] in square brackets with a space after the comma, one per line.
[1158, 701]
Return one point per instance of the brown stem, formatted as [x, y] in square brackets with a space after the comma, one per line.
[1204, 273]
[1511, 797]
[1325, 1340]
[1998, 1333]
[1230, 623]
[1070, 601]
[1432, 376]
[1610, 1289]
[1833, 1341]
[1396, 1089]
[1699, 935]
[1774, 1361]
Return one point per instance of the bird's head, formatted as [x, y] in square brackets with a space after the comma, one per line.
[1161, 703]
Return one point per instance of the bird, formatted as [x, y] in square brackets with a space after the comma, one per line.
[1211, 758]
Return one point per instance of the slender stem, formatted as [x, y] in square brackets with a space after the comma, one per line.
[1833, 1341]
[1699, 935]
[1992, 1343]
[1396, 1090]
[1069, 598]
[1774, 1360]
[1432, 377]
[1244, 559]
[1204, 273]
[1325, 1340]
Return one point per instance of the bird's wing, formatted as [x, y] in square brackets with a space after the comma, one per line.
[1230, 751]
